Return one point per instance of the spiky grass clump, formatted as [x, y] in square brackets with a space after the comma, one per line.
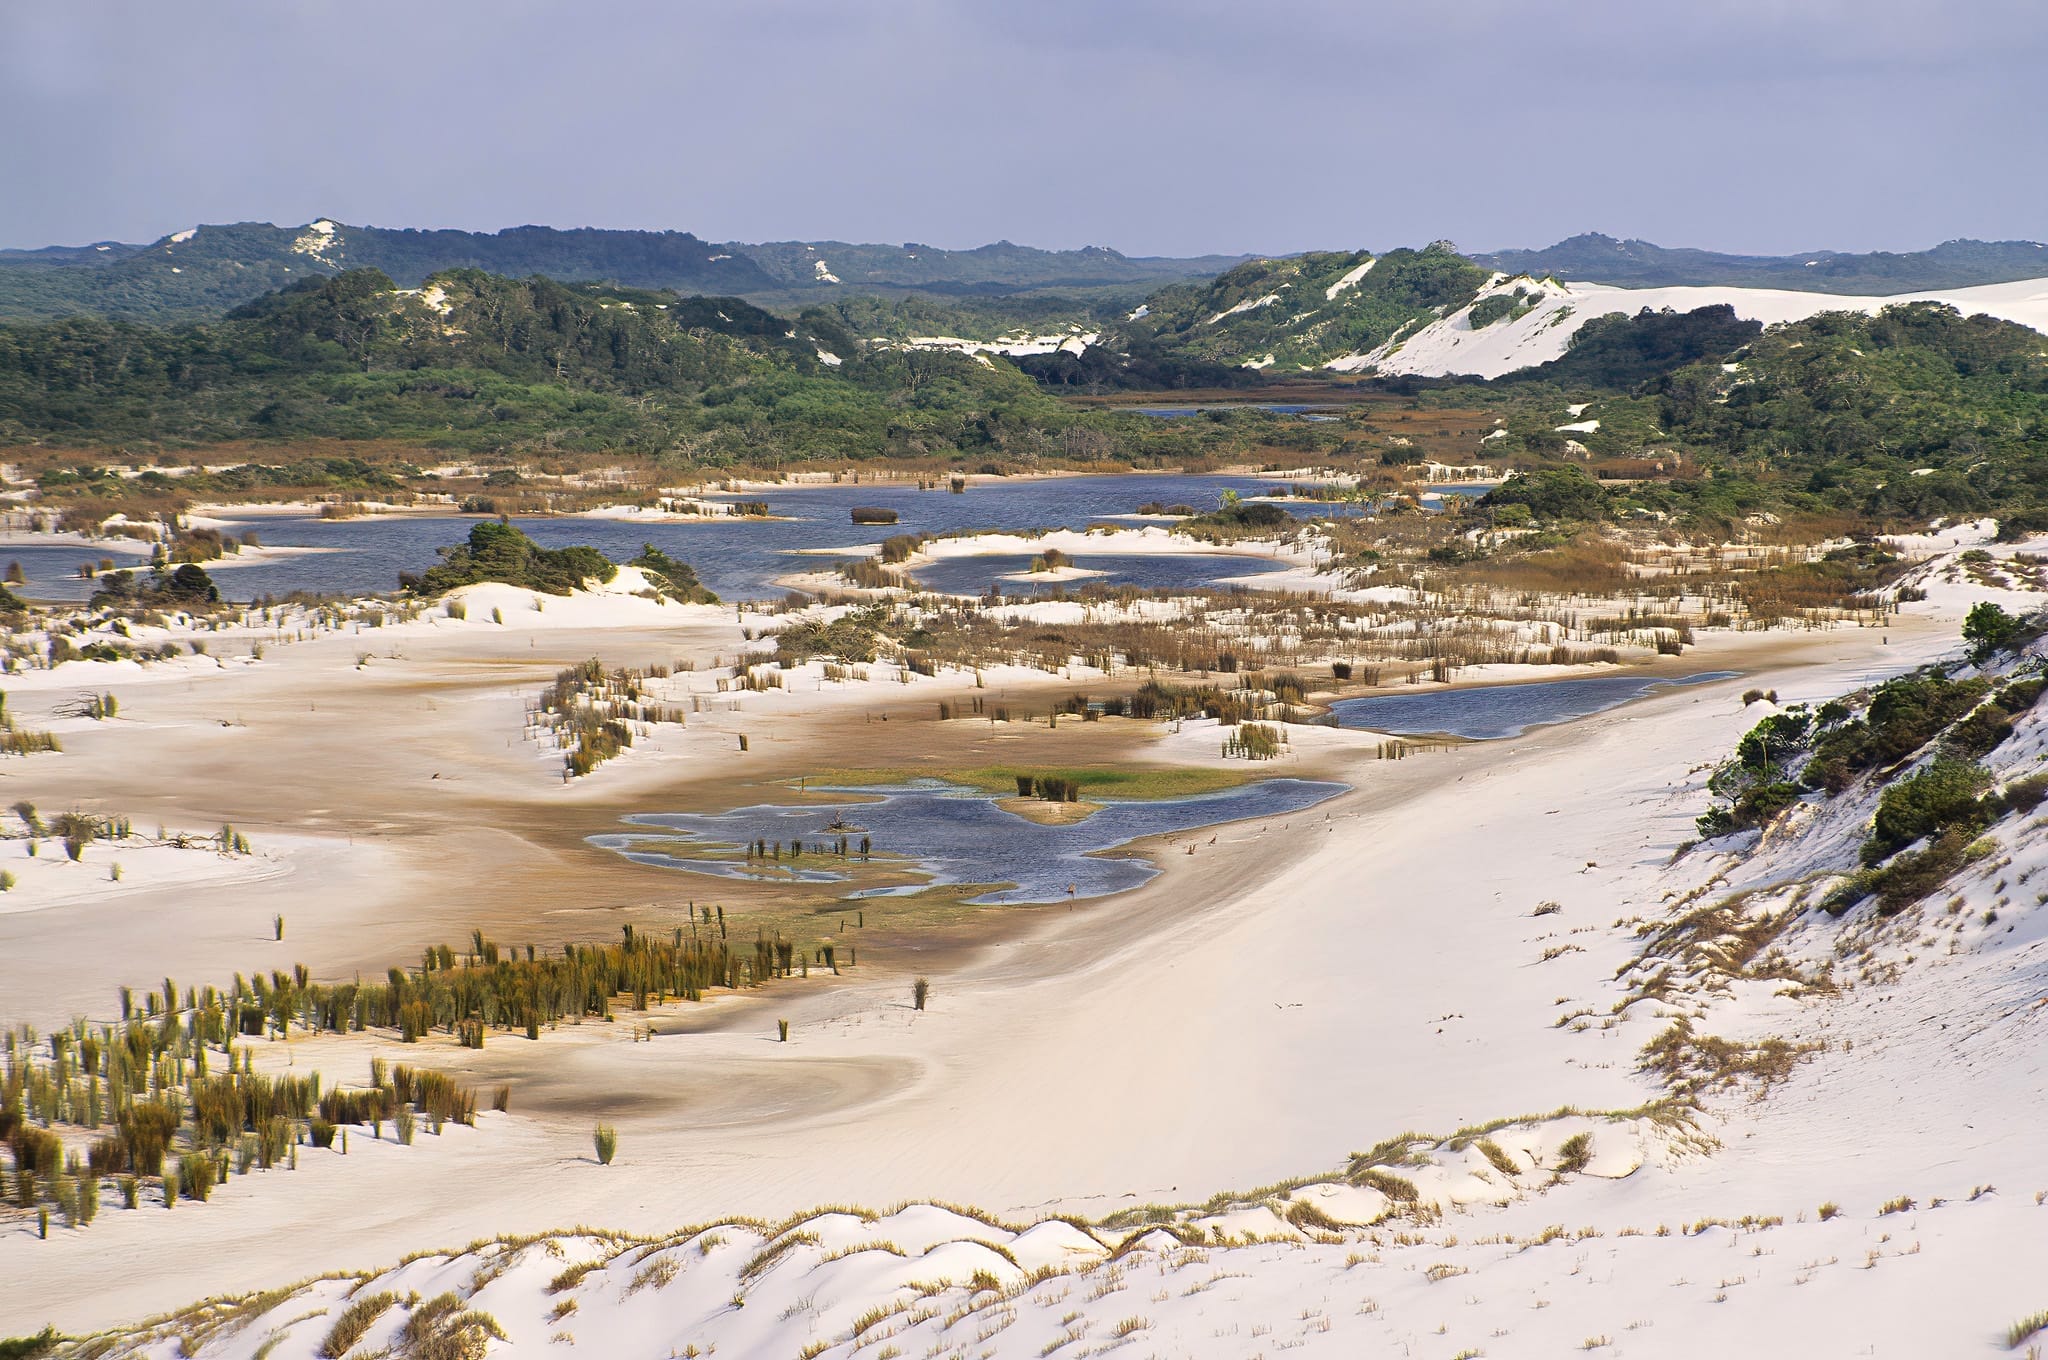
[1498, 1156]
[355, 1320]
[442, 1329]
[1399, 1189]
[605, 1140]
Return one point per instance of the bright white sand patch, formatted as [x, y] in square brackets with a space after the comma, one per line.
[823, 272]
[179, 238]
[1151, 539]
[50, 879]
[1351, 277]
[1053, 574]
[1451, 345]
[1248, 305]
[316, 240]
[1070, 342]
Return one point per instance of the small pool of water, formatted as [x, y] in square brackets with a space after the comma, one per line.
[974, 575]
[953, 834]
[1495, 711]
[1278, 408]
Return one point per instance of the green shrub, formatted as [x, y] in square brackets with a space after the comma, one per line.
[1947, 793]
[1988, 629]
[605, 1140]
[675, 580]
[29, 1347]
[2024, 795]
[1904, 715]
[1911, 876]
[500, 552]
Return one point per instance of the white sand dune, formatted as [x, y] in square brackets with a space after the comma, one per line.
[1451, 344]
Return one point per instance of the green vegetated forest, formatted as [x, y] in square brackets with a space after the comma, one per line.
[1305, 309]
[1643, 264]
[216, 268]
[998, 267]
[473, 362]
[208, 270]
[1915, 412]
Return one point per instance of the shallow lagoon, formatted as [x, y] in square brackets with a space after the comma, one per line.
[739, 558]
[954, 834]
[1491, 712]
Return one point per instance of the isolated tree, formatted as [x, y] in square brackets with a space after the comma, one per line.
[1988, 628]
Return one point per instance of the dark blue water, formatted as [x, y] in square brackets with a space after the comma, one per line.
[738, 560]
[974, 575]
[1277, 408]
[1494, 711]
[53, 571]
[958, 835]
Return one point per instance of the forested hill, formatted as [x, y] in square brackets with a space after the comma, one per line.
[1915, 412]
[469, 360]
[1593, 258]
[1285, 314]
[472, 363]
[201, 273]
[1003, 267]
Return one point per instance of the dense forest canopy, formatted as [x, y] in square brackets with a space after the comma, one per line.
[1642, 264]
[470, 362]
[197, 274]
[1914, 412]
[1302, 309]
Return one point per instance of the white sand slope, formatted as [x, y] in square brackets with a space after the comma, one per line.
[1451, 345]
[927, 1281]
[1472, 939]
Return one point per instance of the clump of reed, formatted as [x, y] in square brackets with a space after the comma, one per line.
[1255, 741]
[593, 714]
[18, 741]
[869, 574]
[1049, 788]
[168, 1095]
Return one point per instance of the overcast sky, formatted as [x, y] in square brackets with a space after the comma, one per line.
[1167, 127]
